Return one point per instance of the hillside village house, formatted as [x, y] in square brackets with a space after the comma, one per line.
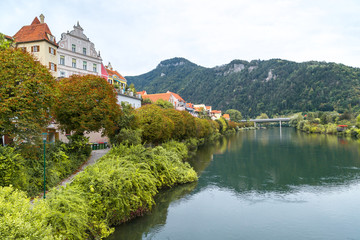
[226, 116]
[77, 54]
[37, 39]
[175, 99]
[215, 114]
[115, 78]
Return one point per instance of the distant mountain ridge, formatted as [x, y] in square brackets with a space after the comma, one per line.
[270, 86]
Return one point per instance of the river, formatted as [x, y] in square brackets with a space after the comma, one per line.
[264, 184]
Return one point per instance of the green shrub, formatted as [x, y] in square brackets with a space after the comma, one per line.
[19, 219]
[128, 137]
[12, 170]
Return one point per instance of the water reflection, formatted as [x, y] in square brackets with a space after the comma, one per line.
[266, 162]
[263, 167]
[140, 227]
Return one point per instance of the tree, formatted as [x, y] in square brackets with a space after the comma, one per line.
[262, 116]
[85, 104]
[164, 104]
[5, 43]
[27, 91]
[157, 127]
[234, 114]
[203, 114]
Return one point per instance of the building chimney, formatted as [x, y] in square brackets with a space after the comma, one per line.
[42, 17]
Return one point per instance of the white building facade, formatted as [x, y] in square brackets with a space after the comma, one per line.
[77, 54]
[134, 101]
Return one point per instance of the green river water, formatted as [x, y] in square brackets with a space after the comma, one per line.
[264, 184]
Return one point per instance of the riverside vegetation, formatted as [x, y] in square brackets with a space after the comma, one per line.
[328, 123]
[120, 186]
[150, 145]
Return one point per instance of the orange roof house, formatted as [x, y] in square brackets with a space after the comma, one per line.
[142, 93]
[36, 31]
[226, 116]
[115, 77]
[189, 105]
[157, 96]
[37, 39]
[174, 98]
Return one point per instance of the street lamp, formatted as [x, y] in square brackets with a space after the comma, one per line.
[44, 137]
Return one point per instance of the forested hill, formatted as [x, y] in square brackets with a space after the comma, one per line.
[271, 86]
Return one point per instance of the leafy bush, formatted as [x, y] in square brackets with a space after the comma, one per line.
[128, 137]
[156, 127]
[20, 220]
[12, 170]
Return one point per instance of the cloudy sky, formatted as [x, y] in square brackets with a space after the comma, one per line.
[135, 35]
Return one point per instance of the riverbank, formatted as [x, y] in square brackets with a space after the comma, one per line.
[119, 186]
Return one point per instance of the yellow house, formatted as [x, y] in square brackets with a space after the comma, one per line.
[37, 39]
[115, 78]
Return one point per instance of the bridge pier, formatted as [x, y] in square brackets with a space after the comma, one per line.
[280, 124]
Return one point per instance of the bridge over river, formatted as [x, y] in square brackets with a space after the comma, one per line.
[270, 120]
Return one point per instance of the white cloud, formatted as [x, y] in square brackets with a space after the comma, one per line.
[135, 35]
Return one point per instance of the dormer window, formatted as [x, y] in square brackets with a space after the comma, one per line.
[84, 51]
[73, 48]
[51, 37]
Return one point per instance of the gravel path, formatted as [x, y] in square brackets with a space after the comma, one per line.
[95, 155]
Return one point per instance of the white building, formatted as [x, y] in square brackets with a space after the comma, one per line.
[77, 55]
[134, 101]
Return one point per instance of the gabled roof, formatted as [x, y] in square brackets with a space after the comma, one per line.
[142, 93]
[208, 107]
[35, 32]
[155, 97]
[104, 73]
[112, 73]
[176, 96]
[8, 37]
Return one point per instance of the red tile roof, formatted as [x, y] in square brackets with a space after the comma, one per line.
[155, 97]
[35, 32]
[8, 37]
[208, 107]
[176, 96]
[215, 111]
[142, 93]
[112, 73]
[226, 116]
[189, 105]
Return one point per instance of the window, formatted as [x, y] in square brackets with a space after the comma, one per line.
[84, 51]
[62, 60]
[52, 66]
[23, 49]
[52, 51]
[74, 63]
[62, 74]
[84, 65]
[51, 37]
[94, 67]
[74, 48]
[35, 48]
